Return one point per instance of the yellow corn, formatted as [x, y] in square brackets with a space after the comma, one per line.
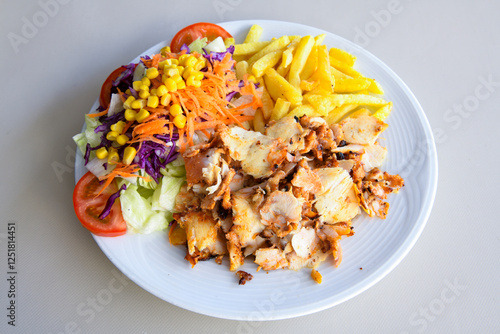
[165, 99]
[183, 58]
[111, 135]
[101, 153]
[154, 92]
[177, 78]
[130, 114]
[175, 109]
[199, 64]
[122, 139]
[162, 90]
[187, 72]
[170, 84]
[128, 155]
[180, 121]
[171, 71]
[146, 81]
[128, 92]
[144, 94]
[251, 78]
[181, 84]
[190, 61]
[165, 49]
[198, 75]
[174, 61]
[142, 115]
[136, 85]
[118, 126]
[197, 84]
[180, 69]
[128, 102]
[190, 80]
[153, 101]
[138, 104]
[113, 157]
[152, 73]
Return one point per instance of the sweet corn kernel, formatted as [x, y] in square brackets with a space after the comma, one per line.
[198, 75]
[182, 58]
[128, 102]
[101, 153]
[190, 80]
[180, 69]
[177, 78]
[113, 157]
[138, 104]
[171, 85]
[197, 84]
[190, 61]
[153, 101]
[142, 115]
[161, 90]
[187, 72]
[111, 135]
[171, 71]
[144, 94]
[144, 87]
[175, 61]
[165, 99]
[146, 81]
[130, 114]
[181, 85]
[161, 65]
[118, 126]
[152, 73]
[136, 85]
[153, 92]
[122, 139]
[251, 78]
[129, 154]
[128, 92]
[200, 64]
[165, 49]
[180, 121]
[175, 109]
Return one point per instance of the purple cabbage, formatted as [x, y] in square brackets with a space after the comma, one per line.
[218, 56]
[185, 47]
[109, 203]
[87, 153]
[126, 76]
[153, 156]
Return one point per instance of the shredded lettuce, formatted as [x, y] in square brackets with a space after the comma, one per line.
[198, 45]
[89, 136]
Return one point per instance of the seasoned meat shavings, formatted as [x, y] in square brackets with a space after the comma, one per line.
[284, 198]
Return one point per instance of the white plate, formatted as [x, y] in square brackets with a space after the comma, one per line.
[377, 246]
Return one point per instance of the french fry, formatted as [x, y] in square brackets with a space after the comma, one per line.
[307, 86]
[375, 87]
[343, 56]
[267, 61]
[302, 110]
[241, 69]
[320, 102]
[281, 108]
[258, 121]
[338, 100]
[228, 42]
[344, 68]
[350, 85]
[275, 45]
[338, 113]
[337, 74]
[299, 60]
[249, 48]
[278, 86]
[383, 112]
[323, 72]
[287, 58]
[311, 64]
[254, 34]
[360, 112]
[267, 104]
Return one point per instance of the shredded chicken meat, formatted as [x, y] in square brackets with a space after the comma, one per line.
[284, 198]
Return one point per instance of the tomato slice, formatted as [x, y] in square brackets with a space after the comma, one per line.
[88, 207]
[105, 96]
[198, 30]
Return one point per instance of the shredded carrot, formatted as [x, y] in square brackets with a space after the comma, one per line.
[120, 170]
[99, 114]
[120, 94]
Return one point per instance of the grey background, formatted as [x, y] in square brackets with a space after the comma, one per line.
[443, 50]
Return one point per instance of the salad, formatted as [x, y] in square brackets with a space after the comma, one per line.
[150, 112]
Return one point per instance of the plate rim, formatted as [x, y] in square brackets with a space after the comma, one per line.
[376, 275]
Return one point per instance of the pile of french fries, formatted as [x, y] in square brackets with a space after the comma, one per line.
[302, 77]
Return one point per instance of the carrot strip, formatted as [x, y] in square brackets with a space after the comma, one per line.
[99, 114]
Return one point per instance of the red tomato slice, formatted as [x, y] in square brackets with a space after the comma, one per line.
[105, 95]
[198, 30]
[88, 207]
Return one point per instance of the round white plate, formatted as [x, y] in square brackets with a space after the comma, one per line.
[377, 246]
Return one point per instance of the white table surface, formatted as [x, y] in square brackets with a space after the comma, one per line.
[446, 52]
